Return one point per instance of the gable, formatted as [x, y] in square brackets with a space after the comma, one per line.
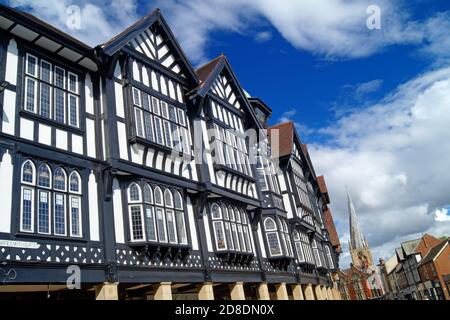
[222, 88]
[155, 46]
[152, 38]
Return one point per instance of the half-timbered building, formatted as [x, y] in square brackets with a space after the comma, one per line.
[124, 168]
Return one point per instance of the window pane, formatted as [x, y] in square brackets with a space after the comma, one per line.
[161, 224]
[156, 108]
[73, 110]
[219, 234]
[31, 65]
[136, 223]
[181, 224]
[176, 137]
[136, 97]
[59, 180]
[178, 201]
[247, 239]
[73, 83]
[45, 100]
[241, 238]
[44, 213]
[27, 209]
[150, 224]
[59, 77]
[215, 212]
[164, 111]
[46, 69]
[75, 217]
[168, 199]
[27, 172]
[30, 95]
[300, 255]
[159, 131]
[228, 236]
[158, 196]
[235, 237]
[134, 192]
[274, 243]
[181, 117]
[171, 226]
[269, 224]
[139, 128]
[148, 197]
[148, 124]
[59, 105]
[146, 102]
[168, 134]
[60, 215]
[172, 113]
[75, 182]
[44, 176]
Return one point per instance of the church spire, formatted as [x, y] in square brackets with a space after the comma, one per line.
[356, 237]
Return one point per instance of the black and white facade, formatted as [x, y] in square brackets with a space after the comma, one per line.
[126, 162]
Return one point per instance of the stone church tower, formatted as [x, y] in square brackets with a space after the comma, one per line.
[359, 249]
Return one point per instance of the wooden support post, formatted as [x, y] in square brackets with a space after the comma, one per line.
[282, 291]
[206, 292]
[308, 291]
[106, 291]
[297, 292]
[318, 292]
[263, 292]
[163, 291]
[237, 291]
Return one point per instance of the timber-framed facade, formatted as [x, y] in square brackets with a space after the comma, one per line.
[99, 169]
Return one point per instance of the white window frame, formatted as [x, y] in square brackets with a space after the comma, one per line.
[51, 100]
[28, 55]
[54, 78]
[26, 94]
[65, 214]
[80, 218]
[77, 109]
[77, 89]
[130, 220]
[21, 209]
[49, 203]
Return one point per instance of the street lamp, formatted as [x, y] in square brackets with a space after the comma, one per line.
[3, 85]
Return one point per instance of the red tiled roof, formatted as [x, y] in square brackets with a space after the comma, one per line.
[322, 185]
[331, 228]
[205, 70]
[286, 137]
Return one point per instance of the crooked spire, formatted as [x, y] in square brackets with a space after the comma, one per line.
[356, 237]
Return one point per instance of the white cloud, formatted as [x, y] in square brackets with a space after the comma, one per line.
[263, 36]
[393, 157]
[442, 215]
[98, 22]
[331, 29]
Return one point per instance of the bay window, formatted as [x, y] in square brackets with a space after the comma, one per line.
[231, 228]
[48, 206]
[156, 215]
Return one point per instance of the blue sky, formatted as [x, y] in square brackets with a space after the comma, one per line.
[373, 105]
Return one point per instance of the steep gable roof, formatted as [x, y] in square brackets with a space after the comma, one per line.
[218, 77]
[409, 246]
[434, 252]
[286, 137]
[152, 37]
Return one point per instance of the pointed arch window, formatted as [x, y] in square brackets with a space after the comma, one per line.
[156, 215]
[272, 237]
[47, 207]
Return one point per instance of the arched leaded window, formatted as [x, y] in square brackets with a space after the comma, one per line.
[272, 237]
[74, 182]
[163, 218]
[303, 247]
[329, 257]
[44, 176]
[56, 210]
[28, 172]
[230, 227]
